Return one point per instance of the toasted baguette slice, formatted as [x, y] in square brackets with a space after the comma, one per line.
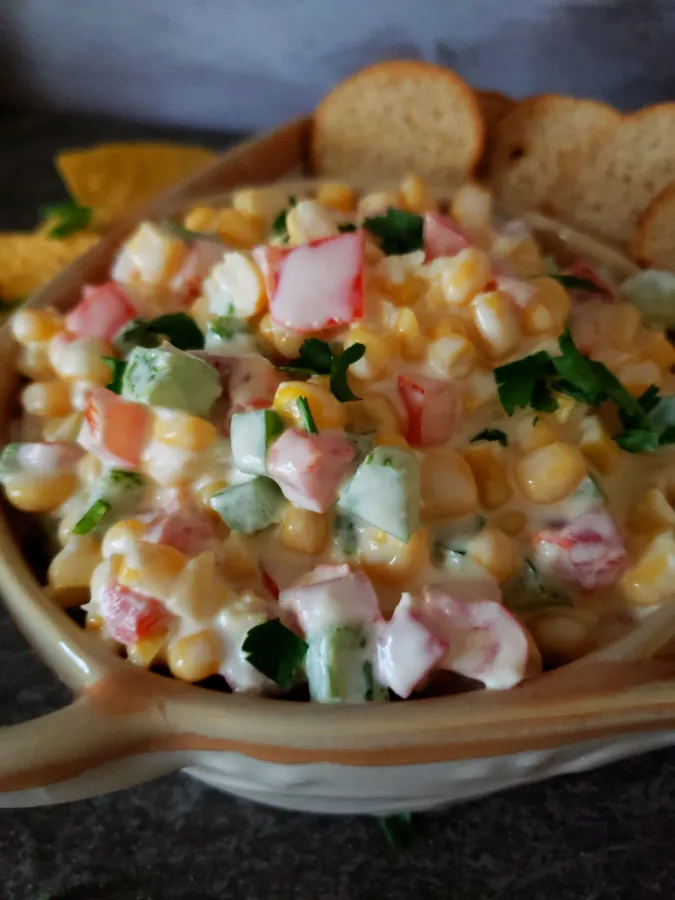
[652, 243]
[626, 174]
[494, 106]
[399, 117]
[542, 145]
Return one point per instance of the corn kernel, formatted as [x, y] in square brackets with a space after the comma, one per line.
[71, 570]
[180, 429]
[326, 409]
[652, 513]
[205, 489]
[454, 356]
[522, 252]
[89, 468]
[280, 339]
[71, 512]
[65, 429]
[637, 377]
[625, 323]
[412, 341]
[548, 310]
[35, 326]
[550, 473]
[391, 439]
[378, 202]
[238, 229]
[372, 413]
[448, 486]
[389, 561]
[496, 552]
[416, 195]
[511, 522]
[497, 321]
[121, 537]
[194, 657]
[46, 398]
[201, 218]
[260, 203]
[465, 275]
[566, 406]
[531, 434]
[201, 591]
[39, 495]
[650, 581]
[80, 358]
[596, 445]
[309, 221]
[152, 569]
[562, 635]
[237, 561]
[658, 349]
[472, 209]
[374, 364]
[489, 470]
[482, 390]
[201, 313]
[33, 362]
[303, 531]
[148, 651]
[337, 196]
[452, 325]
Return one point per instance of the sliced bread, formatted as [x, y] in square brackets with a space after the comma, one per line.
[399, 117]
[494, 106]
[652, 243]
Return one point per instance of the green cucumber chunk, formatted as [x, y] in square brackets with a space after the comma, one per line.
[116, 495]
[340, 669]
[251, 434]
[251, 506]
[164, 376]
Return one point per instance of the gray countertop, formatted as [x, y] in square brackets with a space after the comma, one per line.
[599, 836]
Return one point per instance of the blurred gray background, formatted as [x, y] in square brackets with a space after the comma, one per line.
[247, 64]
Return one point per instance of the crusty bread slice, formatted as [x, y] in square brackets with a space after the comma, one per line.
[627, 172]
[399, 117]
[542, 145]
[494, 106]
[652, 243]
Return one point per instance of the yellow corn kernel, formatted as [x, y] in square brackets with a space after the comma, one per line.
[152, 569]
[596, 445]
[42, 494]
[548, 310]
[308, 221]
[303, 530]
[658, 349]
[412, 341]
[651, 514]
[389, 561]
[550, 473]
[497, 322]
[179, 429]
[89, 468]
[71, 570]
[650, 581]
[454, 356]
[482, 390]
[534, 433]
[562, 635]
[415, 195]
[522, 252]
[94, 622]
[488, 465]
[47, 398]
[33, 362]
[625, 324]
[35, 326]
[511, 522]
[566, 406]
[65, 429]
[465, 275]
[496, 552]
[194, 657]
[201, 591]
[452, 325]
[326, 409]
[260, 203]
[279, 339]
[378, 202]
[391, 439]
[637, 377]
[336, 195]
[148, 651]
[81, 359]
[71, 512]
[448, 486]
[121, 537]
[237, 560]
[472, 209]
[404, 292]
[372, 413]
[201, 313]
[201, 218]
[379, 351]
[238, 229]
[205, 489]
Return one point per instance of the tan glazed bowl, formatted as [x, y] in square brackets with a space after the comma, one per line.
[126, 725]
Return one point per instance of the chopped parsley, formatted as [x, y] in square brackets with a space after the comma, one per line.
[276, 651]
[398, 231]
[70, 218]
[227, 327]
[317, 358]
[306, 415]
[92, 517]
[347, 227]
[399, 830]
[179, 329]
[279, 229]
[345, 533]
[526, 383]
[574, 283]
[117, 367]
[491, 434]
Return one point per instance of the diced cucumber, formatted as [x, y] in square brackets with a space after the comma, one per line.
[450, 541]
[362, 444]
[385, 492]
[164, 376]
[251, 506]
[10, 463]
[115, 495]
[251, 433]
[653, 293]
[527, 591]
[230, 335]
[340, 669]
[345, 534]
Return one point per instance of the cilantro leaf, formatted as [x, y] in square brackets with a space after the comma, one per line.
[316, 357]
[276, 651]
[491, 434]
[92, 517]
[278, 228]
[523, 381]
[638, 440]
[117, 367]
[228, 326]
[347, 227]
[338, 372]
[650, 398]
[399, 231]
[179, 329]
[399, 830]
[574, 283]
[581, 373]
[306, 415]
[71, 218]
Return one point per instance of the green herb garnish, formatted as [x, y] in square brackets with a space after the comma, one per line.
[574, 283]
[71, 218]
[525, 383]
[399, 231]
[179, 329]
[92, 517]
[347, 227]
[276, 651]
[317, 358]
[399, 830]
[491, 434]
[278, 228]
[306, 415]
[228, 326]
[117, 367]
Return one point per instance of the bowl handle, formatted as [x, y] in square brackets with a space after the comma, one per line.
[78, 752]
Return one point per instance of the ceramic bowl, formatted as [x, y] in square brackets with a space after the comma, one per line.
[126, 726]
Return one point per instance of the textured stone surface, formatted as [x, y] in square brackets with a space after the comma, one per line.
[606, 835]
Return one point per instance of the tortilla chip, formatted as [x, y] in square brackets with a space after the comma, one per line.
[28, 261]
[115, 178]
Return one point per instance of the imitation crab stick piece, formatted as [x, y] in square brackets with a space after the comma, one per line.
[330, 597]
[443, 237]
[102, 311]
[187, 283]
[130, 616]
[434, 408]
[319, 285]
[115, 430]
[188, 530]
[309, 468]
[484, 640]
